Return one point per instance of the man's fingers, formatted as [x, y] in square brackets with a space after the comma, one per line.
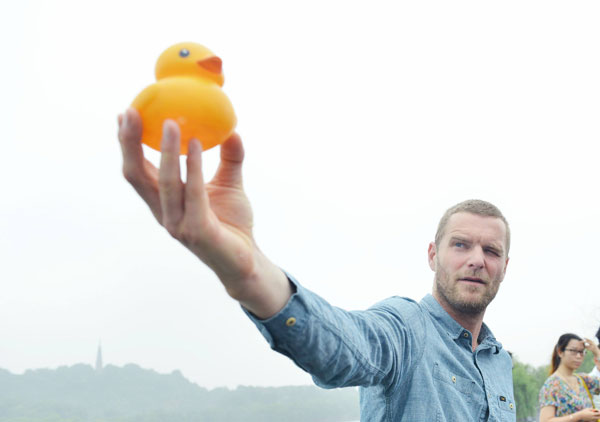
[169, 178]
[130, 136]
[196, 200]
[139, 172]
[229, 172]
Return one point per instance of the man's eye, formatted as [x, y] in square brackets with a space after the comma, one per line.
[459, 244]
[493, 252]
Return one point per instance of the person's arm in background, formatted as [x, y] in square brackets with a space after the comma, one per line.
[593, 347]
[547, 415]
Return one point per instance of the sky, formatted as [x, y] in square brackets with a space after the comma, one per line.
[362, 123]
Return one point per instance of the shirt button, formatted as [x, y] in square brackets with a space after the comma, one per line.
[291, 321]
[511, 406]
[466, 335]
[454, 379]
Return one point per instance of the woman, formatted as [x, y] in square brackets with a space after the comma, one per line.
[563, 397]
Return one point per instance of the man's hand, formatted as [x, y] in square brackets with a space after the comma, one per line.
[213, 220]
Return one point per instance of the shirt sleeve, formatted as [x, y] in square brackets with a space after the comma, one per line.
[549, 394]
[345, 348]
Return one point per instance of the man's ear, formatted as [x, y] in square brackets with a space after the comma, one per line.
[431, 254]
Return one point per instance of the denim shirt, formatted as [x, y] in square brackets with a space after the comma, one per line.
[412, 361]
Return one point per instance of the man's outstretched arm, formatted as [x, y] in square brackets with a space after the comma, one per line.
[213, 220]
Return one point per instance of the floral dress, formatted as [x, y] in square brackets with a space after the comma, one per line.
[556, 392]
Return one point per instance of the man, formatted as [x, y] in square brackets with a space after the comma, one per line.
[433, 360]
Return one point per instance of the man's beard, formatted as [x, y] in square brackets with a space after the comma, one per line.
[452, 296]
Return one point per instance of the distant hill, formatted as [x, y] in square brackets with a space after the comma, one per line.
[131, 394]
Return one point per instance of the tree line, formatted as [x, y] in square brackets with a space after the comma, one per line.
[132, 394]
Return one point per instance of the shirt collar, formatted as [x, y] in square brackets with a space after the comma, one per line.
[453, 328]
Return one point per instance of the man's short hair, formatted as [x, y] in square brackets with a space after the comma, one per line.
[472, 206]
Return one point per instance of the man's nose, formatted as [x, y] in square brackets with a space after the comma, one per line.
[476, 258]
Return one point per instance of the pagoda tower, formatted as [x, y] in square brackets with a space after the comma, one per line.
[99, 358]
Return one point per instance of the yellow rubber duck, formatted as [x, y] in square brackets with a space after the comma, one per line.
[188, 85]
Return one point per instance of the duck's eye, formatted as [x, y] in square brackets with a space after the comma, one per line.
[184, 52]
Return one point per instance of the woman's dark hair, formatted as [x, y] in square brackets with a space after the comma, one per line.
[598, 334]
[560, 347]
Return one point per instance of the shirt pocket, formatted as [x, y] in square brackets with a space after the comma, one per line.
[453, 381]
[507, 407]
[457, 395]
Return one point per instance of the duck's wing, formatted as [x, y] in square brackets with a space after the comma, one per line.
[145, 97]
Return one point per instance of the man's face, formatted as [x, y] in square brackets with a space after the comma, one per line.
[469, 263]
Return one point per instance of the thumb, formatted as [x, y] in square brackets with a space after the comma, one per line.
[229, 172]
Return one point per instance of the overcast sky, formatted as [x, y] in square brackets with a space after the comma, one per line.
[362, 122]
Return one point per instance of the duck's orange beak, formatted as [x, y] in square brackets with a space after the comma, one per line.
[212, 64]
